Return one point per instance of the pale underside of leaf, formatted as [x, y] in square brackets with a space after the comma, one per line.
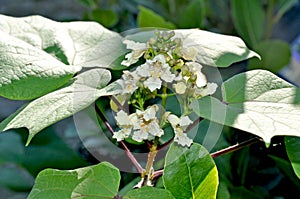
[215, 49]
[264, 105]
[27, 72]
[211, 48]
[87, 44]
[60, 104]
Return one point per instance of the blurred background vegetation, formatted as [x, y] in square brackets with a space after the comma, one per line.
[270, 27]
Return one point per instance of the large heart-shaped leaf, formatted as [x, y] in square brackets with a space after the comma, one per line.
[87, 44]
[190, 172]
[27, 72]
[39, 55]
[257, 102]
[55, 106]
[148, 193]
[207, 48]
[98, 181]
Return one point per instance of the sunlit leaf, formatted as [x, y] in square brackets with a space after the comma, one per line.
[98, 181]
[65, 102]
[257, 102]
[27, 72]
[148, 193]
[190, 172]
[207, 48]
[87, 44]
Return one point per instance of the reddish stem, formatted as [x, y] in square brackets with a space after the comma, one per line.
[127, 151]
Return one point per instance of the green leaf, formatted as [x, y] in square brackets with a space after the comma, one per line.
[27, 72]
[98, 181]
[15, 177]
[275, 54]
[149, 193]
[209, 48]
[87, 44]
[148, 18]
[286, 168]
[195, 10]
[107, 18]
[60, 104]
[249, 21]
[293, 150]
[190, 172]
[257, 102]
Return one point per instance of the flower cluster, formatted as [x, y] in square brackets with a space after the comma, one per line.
[141, 125]
[167, 65]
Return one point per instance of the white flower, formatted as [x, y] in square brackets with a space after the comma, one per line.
[122, 119]
[150, 113]
[156, 71]
[179, 125]
[125, 122]
[143, 125]
[129, 82]
[183, 139]
[180, 88]
[195, 68]
[140, 135]
[122, 134]
[138, 49]
[209, 89]
[154, 129]
[189, 53]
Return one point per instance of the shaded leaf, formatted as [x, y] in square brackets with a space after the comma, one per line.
[190, 172]
[98, 181]
[287, 170]
[148, 18]
[293, 151]
[15, 177]
[257, 102]
[55, 153]
[248, 18]
[55, 106]
[195, 10]
[275, 54]
[107, 18]
[148, 193]
[9, 153]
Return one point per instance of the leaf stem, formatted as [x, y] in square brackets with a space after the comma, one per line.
[227, 150]
[127, 151]
[236, 147]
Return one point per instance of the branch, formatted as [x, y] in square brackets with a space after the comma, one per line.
[127, 151]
